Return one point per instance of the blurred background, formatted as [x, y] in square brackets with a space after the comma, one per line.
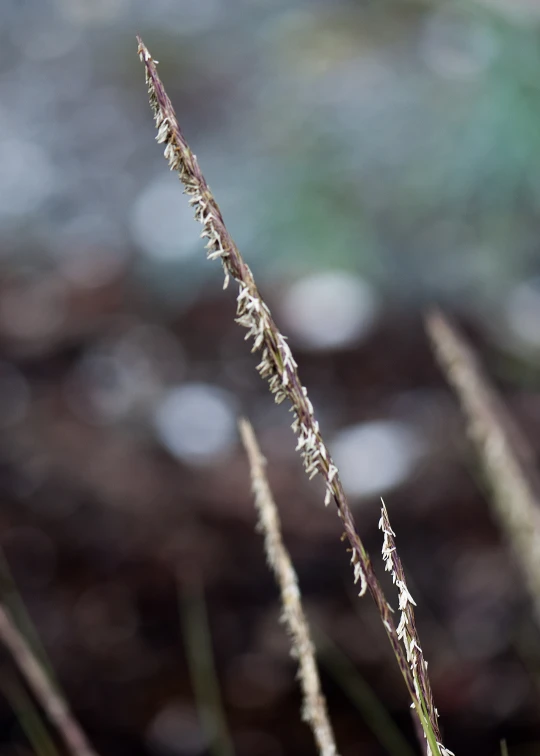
[370, 158]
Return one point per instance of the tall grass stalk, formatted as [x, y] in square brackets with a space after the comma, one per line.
[277, 364]
[54, 705]
[497, 441]
[314, 707]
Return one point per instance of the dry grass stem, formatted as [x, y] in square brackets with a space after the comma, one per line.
[314, 708]
[53, 704]
[277, 364]
[500, 447]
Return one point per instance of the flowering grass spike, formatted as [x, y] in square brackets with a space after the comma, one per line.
[277, 364]
[407, 632]
[314, 708]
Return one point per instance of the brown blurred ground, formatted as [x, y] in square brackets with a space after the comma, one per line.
[102, 529]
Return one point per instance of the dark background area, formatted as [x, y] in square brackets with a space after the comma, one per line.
[370, 159]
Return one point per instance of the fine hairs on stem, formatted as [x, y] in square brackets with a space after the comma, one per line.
[497, 441]
[277, 364]
[53, 703]
[314, 708]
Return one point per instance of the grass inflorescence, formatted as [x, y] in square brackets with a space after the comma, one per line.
[278, 367]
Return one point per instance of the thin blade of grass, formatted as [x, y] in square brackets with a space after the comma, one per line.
[29, 718]
[200, 657]
[362, 695]
[14, 602]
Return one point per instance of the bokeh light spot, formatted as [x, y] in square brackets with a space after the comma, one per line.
[196, 422]
[375, 457]
[329, 310]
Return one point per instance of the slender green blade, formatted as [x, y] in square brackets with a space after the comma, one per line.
[198, 644]
[360, 693]
[29, 718]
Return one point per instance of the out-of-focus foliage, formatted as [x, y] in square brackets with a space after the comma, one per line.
[398, 139]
